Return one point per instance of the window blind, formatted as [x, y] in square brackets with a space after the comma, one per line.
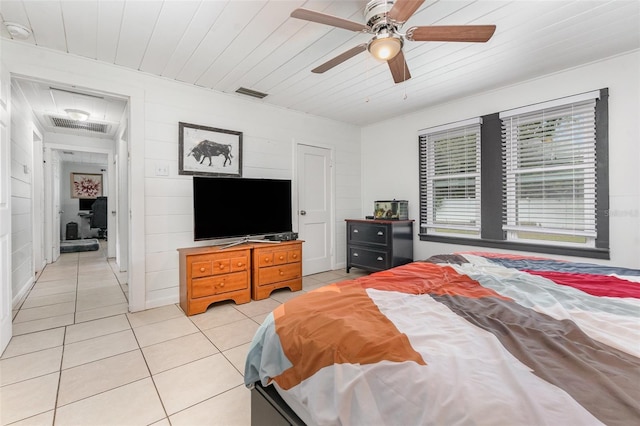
[550, 174]
[450, 180]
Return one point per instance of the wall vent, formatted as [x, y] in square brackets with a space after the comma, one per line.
[252, 93]
[80, 125]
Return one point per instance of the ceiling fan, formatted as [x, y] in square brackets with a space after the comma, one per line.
[383, 19]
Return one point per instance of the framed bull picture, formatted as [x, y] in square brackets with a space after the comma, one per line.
[207, 151]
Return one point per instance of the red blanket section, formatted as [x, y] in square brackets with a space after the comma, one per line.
[595, 285]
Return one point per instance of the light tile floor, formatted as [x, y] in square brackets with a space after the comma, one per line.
[79, 358]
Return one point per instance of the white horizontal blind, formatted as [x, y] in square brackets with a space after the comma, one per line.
[550, 174]
[450, 181]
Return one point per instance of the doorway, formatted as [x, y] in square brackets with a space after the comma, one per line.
[315, 207]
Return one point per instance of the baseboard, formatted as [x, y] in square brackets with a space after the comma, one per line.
[22, 294]
[156, 303]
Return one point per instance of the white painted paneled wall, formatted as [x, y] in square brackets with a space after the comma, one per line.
[21, 204]
[161, 206]
[390, 148]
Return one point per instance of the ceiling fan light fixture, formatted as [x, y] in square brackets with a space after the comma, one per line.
[77, 114]
[385, 46]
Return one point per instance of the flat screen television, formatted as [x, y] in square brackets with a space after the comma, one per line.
[240, 207]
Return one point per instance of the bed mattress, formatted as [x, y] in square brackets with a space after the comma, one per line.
[471, 338]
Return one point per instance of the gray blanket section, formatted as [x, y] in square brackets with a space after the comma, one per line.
[531, 290]
[261, 363]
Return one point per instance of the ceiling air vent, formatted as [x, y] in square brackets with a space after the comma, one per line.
[80, 125]
[252, 93]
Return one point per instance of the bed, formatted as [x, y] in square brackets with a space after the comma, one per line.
[468, 338]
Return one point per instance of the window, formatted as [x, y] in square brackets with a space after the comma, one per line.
[531, 179]
[550, 173]
[450, 179]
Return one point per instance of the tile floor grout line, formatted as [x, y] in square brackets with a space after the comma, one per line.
[146, 363]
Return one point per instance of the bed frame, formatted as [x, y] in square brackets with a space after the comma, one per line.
[269, 409]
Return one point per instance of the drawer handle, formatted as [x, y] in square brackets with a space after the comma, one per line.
[380, 233]
[355, 231]
[380, 258]
[281, 272]
[355, 254]
[202, 269]
[266, 259]
[295, 256]
[239, 263]
[281, 257]
[221, 266]
[222, 284]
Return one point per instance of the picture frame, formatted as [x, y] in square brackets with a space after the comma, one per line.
[86, 185]
[209, 151]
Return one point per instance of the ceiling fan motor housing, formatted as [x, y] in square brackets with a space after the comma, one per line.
[375, 14]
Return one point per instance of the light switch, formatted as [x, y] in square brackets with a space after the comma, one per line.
[162, 169]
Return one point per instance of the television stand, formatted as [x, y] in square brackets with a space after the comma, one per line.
[240, 273]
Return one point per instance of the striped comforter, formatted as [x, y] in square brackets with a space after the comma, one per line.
[471, 338]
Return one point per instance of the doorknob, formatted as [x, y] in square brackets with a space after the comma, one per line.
[303, 212]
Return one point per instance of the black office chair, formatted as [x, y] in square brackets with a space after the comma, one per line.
[99, 216]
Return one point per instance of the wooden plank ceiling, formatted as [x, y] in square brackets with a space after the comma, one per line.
[224, 45]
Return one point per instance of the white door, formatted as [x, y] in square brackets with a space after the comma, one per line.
[314, 208]
[55, 198]
[6, 293]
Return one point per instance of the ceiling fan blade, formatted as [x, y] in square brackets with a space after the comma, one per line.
[399, 68]
[465, 33]
[323, 18]
[340, 58]
[402, 10]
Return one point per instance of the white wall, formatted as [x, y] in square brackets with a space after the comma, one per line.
[22, 268]
[390, 148]
[161, 216]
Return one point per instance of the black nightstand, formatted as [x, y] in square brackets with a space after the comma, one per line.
[376, 245]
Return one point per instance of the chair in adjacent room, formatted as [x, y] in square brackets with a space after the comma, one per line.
[99, 216]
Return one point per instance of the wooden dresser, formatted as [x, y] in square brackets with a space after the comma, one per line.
[276, 266]
[209, 274]
[375, 245]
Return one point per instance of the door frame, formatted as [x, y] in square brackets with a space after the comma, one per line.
[38, 211]
[135, 97]
[332, 196]
[6, 288]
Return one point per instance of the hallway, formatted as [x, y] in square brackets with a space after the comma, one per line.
[77, 356]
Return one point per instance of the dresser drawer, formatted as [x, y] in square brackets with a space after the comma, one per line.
[367, 233]
[275, 274]
[368, 258]
[294, 255]
[209, 286]
[239, 263]
[280, 257]
[214, 264]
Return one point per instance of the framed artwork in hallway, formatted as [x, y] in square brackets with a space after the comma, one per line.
[86, 185]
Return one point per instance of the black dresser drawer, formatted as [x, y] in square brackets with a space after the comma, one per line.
[369, 259]
[368, 233]
[375, 245]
